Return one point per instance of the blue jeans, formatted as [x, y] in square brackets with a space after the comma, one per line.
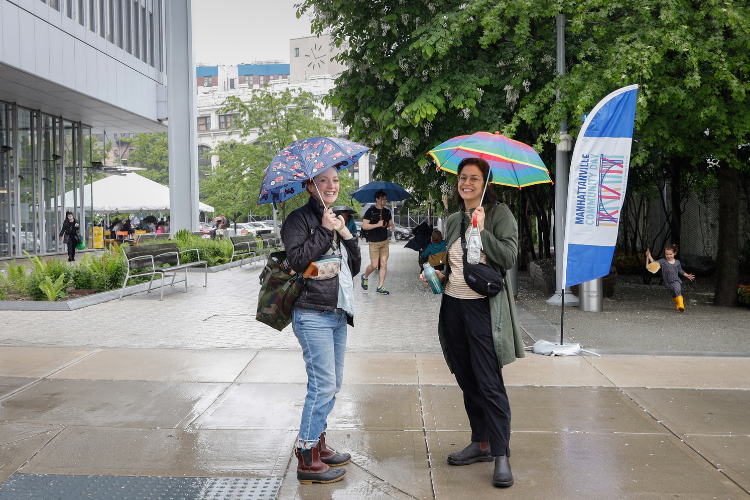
[322, 335]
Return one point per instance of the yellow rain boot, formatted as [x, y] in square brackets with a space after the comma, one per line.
[680, 303]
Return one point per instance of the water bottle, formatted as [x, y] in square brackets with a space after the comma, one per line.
[432, 278]
[474, 248]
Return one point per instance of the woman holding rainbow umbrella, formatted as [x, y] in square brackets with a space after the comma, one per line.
[480, 334]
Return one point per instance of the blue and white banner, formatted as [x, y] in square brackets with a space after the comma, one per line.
[596, 187]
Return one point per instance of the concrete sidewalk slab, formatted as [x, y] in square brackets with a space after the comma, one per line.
[559, 371]
[709, 412]
[36, 361]
[582, 466]
[110, 404]
[539, 409]
[373, 407]
[675, 372]
[727, 453]
[164, 452]
[256, 406]
[160, 365]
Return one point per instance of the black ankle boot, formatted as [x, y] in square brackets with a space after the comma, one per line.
[503, 477]
[475, 452]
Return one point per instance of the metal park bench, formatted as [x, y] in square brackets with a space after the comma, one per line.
[243, 247]
[159, 258]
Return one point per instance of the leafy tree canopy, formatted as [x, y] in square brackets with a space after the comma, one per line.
[152, 153]
[267, 122]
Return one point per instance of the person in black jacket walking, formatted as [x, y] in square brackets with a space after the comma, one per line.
[320, 318]
[69, 234]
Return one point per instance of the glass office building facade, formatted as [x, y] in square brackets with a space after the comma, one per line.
[43, 172]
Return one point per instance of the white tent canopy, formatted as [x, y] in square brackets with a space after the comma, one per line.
[129, 193]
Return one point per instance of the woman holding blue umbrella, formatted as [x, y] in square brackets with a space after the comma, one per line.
[314, 234]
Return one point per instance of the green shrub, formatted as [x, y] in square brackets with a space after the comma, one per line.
[743, 294]
[103, 272]
[15, 279]
[53, 291]
[82, 277]
[54, 269]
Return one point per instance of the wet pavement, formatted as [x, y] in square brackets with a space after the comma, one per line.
[193, 387]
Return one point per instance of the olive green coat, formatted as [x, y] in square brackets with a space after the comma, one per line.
[500, 245]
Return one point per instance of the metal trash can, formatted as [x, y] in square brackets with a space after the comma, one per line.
[512, 277]
[591, 295]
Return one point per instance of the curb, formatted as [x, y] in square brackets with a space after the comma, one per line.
[73, 304]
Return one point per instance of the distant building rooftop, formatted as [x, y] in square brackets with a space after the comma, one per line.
[207, 71]
[262, 69]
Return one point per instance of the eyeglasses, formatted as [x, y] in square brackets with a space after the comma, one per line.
[474, 179]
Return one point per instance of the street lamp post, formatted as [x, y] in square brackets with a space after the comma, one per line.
[561, 184]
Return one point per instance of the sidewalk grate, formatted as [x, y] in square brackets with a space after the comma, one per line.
[58, 487]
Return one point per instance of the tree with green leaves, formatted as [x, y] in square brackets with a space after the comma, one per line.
[267, 122]
[151, 151]
[422, 71]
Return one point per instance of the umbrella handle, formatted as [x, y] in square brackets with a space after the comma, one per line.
[321, 196]
[489, 174]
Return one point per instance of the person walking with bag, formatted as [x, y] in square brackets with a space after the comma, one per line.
[480, 334]
[69, 234]
[313, 235]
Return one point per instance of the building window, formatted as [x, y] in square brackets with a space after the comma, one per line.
[128, 25]
[102, 19]
[225, 121]
[204, 160]
[296, 52]
[136, 32]
[260, 78]
[231, 83]
[118, 23]
[144, 35]
[208, 81]
[81, 13]
[92, 15]
[249, 79]
[69, 8]
[151, 40]
[204, 123]
[55, 4]
[111, 19]
[161, 37]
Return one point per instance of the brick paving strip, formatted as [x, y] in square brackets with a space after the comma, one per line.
[194, 387]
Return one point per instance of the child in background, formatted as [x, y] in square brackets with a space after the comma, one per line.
[437, 250]
[671, 271]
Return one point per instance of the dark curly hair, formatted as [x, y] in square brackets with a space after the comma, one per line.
[490, 198]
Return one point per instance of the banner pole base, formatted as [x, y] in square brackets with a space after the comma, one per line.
[570, 299]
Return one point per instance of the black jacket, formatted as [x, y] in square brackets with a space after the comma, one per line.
[69, 228]
[305, 240]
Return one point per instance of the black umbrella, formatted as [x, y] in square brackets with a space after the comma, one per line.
[343, 209]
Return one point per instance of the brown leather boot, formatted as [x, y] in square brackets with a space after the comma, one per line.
[330, 457]
[311, 470]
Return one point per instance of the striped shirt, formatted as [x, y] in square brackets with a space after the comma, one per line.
[456, 286]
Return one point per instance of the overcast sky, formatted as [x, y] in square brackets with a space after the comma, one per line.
[243, 31]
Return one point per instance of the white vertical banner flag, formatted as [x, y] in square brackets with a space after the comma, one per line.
[596, 187]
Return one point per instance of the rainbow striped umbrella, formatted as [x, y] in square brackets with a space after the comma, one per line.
[512, 163]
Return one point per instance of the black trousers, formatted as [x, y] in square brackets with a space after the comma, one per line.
[468, 334]
[72, 242]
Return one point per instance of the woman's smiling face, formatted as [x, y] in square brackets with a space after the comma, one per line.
[470, 183]
[328, 184]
